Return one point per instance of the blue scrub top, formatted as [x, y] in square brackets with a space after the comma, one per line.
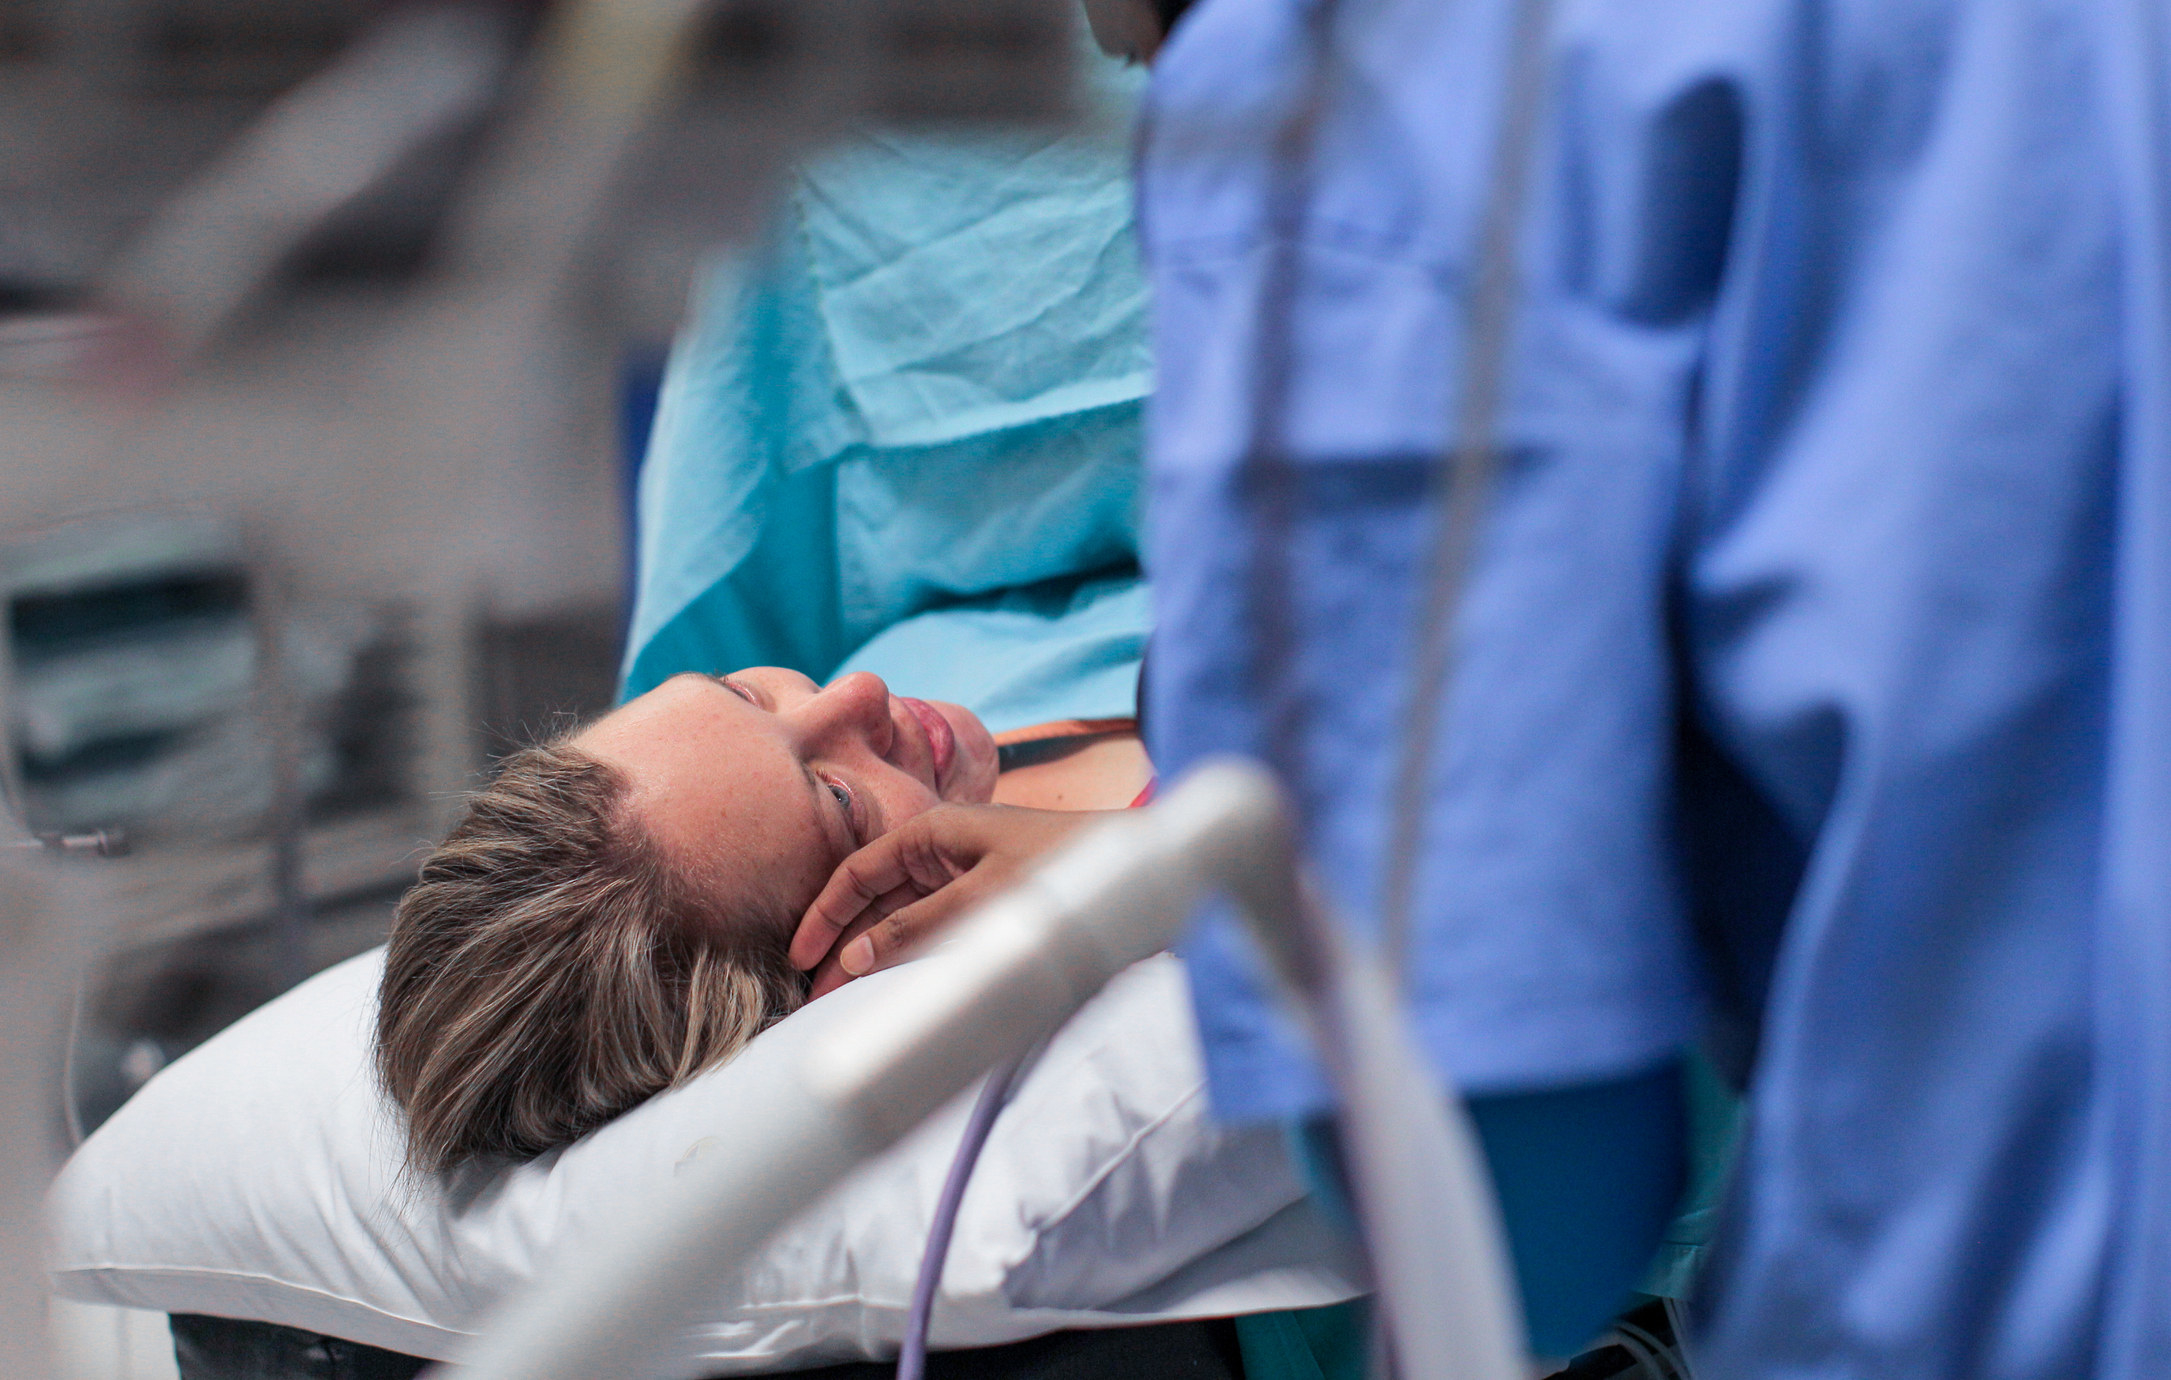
[1814, 682]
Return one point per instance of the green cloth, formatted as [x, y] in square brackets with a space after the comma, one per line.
[1715, 1121]
[1306, 1343]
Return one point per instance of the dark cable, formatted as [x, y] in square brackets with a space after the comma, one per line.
[1269, 474]
[1462, 481]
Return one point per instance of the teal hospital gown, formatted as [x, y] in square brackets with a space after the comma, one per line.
[905, 436]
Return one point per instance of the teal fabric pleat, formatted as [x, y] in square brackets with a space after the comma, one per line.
[1306, 1343]
[1715, 1115]
[924, 395]
[1067, 649]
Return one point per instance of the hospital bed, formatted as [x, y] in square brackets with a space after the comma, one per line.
[1013, 973]
[1104, 1196]
[624, 1289]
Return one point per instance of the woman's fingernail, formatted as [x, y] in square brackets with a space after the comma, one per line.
[858, 957]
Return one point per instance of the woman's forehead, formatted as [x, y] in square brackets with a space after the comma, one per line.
[718, 787]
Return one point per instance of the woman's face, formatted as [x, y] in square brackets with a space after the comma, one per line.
[760, 782]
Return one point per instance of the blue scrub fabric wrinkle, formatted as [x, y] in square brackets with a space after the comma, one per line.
[2132, 1016]
[1821, 441]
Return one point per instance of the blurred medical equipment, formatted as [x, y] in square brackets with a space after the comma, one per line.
[1010, 976]
[419, 75]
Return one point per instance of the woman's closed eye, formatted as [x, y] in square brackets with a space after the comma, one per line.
[740, 690]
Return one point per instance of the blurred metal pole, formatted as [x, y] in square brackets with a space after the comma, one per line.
[49, 926]
[279, 714]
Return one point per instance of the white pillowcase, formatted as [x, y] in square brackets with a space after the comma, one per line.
[260, 1177]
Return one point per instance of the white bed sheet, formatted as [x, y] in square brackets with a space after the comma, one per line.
[260, 1177]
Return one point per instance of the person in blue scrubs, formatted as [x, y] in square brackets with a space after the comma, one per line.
[1813, 686]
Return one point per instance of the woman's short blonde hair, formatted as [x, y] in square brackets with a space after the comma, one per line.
[552, 969]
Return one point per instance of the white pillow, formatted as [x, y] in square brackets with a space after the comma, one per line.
[260, 1177]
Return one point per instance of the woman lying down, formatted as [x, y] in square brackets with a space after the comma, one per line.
[617, 912]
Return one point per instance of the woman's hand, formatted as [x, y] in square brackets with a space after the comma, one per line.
[899, 890]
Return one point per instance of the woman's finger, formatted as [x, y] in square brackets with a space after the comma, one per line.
[919, 856]
[861, 881]
[920, 876]
[890, 939]
[829, 975]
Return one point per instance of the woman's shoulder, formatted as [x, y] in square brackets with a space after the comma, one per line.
[1072, 764]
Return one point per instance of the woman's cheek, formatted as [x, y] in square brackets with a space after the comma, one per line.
[975, 786]
[904, 799]
[972, 774]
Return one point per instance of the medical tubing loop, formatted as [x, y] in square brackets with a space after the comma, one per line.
[994, 1094]
[1462, 481]
[1663, 1364]
[1646, 1360]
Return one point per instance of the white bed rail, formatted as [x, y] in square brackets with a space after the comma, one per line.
[1009, 976]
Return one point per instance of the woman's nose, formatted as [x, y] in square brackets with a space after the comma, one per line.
[858, 706]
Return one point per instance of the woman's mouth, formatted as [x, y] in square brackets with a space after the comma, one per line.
[941, 742]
